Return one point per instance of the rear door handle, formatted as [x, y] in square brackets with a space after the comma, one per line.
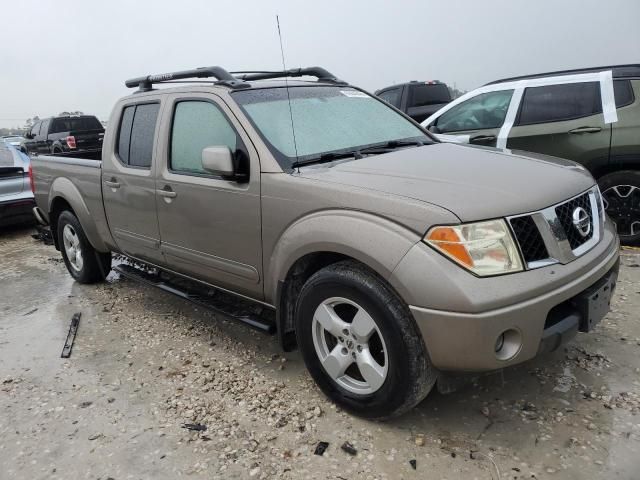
[113, 183]
[586, 130]
[167, 193]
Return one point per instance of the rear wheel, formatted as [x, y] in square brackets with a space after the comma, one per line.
[83, 262]
[621, 195]
[360, 342]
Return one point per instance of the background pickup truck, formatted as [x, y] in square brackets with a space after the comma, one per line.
[419, 100]
[81, 135]
[387, 257]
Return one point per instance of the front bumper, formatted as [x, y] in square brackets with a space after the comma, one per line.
[462, 336]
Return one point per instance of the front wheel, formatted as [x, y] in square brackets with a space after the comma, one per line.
[621, 196]
[360, 342]
[83, 262]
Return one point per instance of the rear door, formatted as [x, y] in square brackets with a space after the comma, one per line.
[563, 120]
[477, 120]
[128, 181]
[210, 226]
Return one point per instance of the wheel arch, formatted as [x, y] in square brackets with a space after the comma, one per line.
[322, 239]
[64, 195]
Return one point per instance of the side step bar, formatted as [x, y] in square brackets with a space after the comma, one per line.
[256, 316]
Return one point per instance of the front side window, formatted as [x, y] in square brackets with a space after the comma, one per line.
[483, 111]
[323, 119]
[136, 134]
[44, 126]
[555, 103]
[392, 97]
[35, 129]
[196, 126]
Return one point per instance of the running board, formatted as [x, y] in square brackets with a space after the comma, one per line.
[256, 316]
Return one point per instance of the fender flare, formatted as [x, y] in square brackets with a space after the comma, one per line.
[63, 188]
[372, 240]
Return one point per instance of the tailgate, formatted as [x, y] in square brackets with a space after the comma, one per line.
[88, 139]
[11, 171]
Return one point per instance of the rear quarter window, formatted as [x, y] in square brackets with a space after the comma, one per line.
[136, 134]
[555, 103]
[623, 93]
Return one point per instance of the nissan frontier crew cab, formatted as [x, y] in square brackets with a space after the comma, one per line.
[388, 258]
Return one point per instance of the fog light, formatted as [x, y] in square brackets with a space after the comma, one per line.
[508, 344]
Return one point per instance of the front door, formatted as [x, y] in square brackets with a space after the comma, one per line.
[128, 183]
[565, 121]
[210, 226]
[477, 120]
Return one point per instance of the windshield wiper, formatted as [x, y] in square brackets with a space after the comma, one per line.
[392, 145]
[327, 157]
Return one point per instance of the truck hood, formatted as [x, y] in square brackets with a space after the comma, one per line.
[474, 183]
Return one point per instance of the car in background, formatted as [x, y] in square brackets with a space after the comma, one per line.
[16, 141]
[590, 116]
[66, 134]
[417, 99]
[16, 196]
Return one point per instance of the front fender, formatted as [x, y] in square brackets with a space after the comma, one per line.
[376, 242]
[63, 188]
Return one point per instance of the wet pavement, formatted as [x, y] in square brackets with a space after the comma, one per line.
[145, 363]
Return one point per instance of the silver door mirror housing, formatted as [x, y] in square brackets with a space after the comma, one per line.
[218, 160]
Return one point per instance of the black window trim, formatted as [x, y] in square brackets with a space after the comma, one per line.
[170, 139]
[155, 131]
[516, 122]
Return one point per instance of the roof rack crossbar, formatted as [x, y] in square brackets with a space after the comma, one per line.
[224, 78]
[320, 73]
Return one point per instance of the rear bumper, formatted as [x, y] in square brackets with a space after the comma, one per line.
[16, 211]
[466, 341]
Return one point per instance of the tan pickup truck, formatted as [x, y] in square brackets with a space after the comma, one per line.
[390, 259]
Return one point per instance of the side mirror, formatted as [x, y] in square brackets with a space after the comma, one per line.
[218, 160]
[434, 129]
[28, 136]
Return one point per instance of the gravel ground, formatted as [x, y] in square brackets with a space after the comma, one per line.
[145, 363]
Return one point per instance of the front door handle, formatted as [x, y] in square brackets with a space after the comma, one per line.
[166, 192]
[113, 183]
[586, 130]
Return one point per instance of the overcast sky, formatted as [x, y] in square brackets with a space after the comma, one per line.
[75, 54]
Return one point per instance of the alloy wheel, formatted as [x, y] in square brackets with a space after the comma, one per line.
[622, 204]
[72, 247]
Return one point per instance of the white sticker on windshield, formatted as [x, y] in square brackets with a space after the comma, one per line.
[354, 93]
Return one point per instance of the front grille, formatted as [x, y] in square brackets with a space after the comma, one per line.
[529, 238]
[565, 216]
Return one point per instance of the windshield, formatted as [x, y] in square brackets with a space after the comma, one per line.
[325, 119]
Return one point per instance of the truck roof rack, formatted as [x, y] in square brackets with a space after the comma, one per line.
[618, 71]
[234, 80]
[224, 78]
[320, 73]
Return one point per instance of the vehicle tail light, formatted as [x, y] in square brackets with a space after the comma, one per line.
[31, 182]
[71, 141]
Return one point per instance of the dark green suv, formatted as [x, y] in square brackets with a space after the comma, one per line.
[591, 116]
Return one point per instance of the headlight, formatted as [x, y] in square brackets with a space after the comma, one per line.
[484, 248]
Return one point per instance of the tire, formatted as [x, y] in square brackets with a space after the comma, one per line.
[89, 266]
[621, 194]
[402, 374]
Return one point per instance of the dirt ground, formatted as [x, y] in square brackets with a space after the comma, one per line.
[145, 363]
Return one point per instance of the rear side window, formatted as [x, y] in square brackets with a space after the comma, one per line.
[555, 103]
[197, 125]
[136, 135]
[75, 124]
[392, 97]
[481, 112]
[428, 94]
[623, 93]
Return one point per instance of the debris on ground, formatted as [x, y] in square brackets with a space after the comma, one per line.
[350, 449]
[71, 335]
[414, 463]
[321, 447]
[195, 427]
